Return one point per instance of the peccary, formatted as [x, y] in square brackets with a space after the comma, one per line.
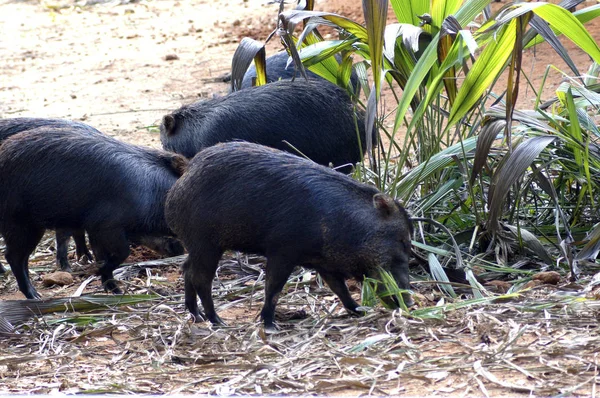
[66, 179]
[247, 197]
[9, 127]
[12, 126]
[316, 119]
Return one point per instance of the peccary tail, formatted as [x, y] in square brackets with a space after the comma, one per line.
[175, 162]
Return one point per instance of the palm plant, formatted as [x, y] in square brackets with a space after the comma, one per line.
[501, 180]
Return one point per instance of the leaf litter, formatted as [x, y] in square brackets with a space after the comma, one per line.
[541, 341]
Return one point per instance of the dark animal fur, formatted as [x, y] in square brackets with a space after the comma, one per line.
[246, 197]
[65, 178]
[316, 117]
[12, 126]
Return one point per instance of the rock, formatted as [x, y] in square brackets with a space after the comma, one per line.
[59, 278]
[531, 284]
[499, 286]
[548, 278]
[171, 57]
[595, 293]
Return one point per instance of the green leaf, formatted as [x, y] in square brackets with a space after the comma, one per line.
[248, 50]
[407, 11]
[375, 17]
[464, 15]
[438, 273]
[318, 57]
[296, 16]
[401, 55]
[581, 156]
[483, 73]
[584, 15]
[568, 25]
[432, 249]
[442, 9]
[437, 162]
[421, 69]
[448, 188]
[511, 170]
[448, 36]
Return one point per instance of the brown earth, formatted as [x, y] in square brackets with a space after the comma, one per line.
[106, 64]
[120, 66]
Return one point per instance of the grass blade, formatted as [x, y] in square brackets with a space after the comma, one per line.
[489, 132]
[483, 73]
[509, 172]
[437, 272]
[15, 311]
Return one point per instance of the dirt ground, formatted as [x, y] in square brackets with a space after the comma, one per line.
[120, 66]
[106, 63]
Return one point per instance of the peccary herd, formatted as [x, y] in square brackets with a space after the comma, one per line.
[250, 171]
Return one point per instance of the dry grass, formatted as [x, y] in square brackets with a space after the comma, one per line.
[546, 342]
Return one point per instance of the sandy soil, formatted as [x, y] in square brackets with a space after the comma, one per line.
[111, 65]
[121, 66]
[106, 64]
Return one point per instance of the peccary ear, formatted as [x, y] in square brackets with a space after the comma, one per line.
[384, 204]
[168, 123]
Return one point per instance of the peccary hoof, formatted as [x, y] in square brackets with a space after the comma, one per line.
[358, 311]
[111, 286]
[66, 268]
[217, 321]
[198, 317]
[85, 259]
[271, 328]
[408, 301]
[32, 294]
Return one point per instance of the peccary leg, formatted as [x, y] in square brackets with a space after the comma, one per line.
[111, 248]
[62, 242]
[198, 273]
[20, 243]
[191, 296]
[278, 272]
[80, 246]
[338, 285]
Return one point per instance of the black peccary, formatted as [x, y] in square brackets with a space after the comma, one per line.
[66, 179]
[278, 69]
[250, 198]
[9, 127]
[316, 118]
[12, 126]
